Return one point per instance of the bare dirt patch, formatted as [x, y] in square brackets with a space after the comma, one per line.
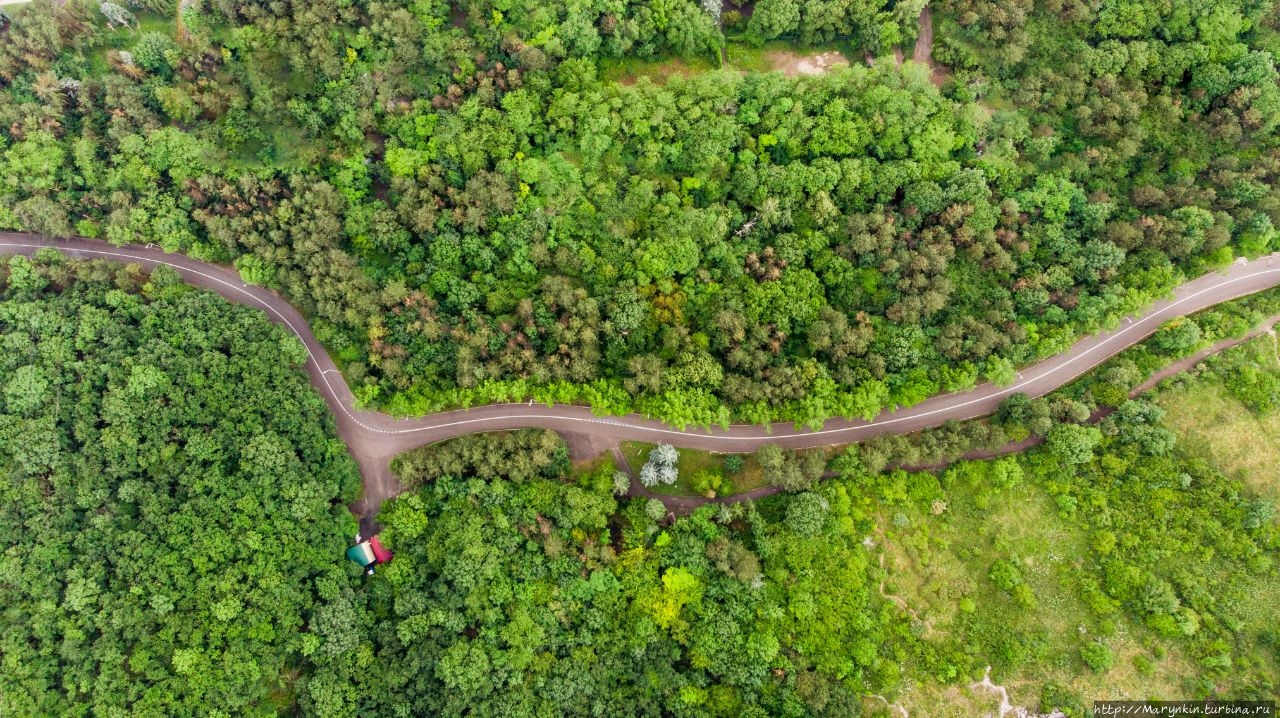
[586, 447]
[924, 40]
[457, 15]
[923, 53]
[794, 64]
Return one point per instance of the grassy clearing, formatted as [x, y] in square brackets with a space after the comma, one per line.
[779, 56]
[937, 564]
[287, 147]
[691, 462]
[1212, 423]
[1256, 601]
[291, 149]
[126, 38]
[601, 463]
[629, 69]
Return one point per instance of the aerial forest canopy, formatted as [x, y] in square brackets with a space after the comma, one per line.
[172, 530]
[516, 595]
[172, 499]
[468, 210]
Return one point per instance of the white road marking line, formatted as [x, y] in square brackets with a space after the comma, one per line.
[873, 424]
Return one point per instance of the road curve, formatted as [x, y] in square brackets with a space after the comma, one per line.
[684, 505]
[374, 438]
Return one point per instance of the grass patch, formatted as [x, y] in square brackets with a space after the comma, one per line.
[938, 563]
[1256, 600]
[936, 568]
[1212, 423]
[289, 148]
[691, 462]
[126, 38]
[627, 70]
[750, 58]
[599, 464]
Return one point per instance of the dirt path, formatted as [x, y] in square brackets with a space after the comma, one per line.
[895, 707]
[924, 39]
[639, 490]
[1007, 707]
[923, 54]
[1266, 327]
[374, 438]
[894, 598]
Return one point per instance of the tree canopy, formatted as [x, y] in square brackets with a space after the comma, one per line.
[467, 210]
[173, 500]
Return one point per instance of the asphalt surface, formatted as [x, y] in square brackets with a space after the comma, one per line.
[374, 438]
[684, 505]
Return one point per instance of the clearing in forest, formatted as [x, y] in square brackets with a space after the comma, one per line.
[793, 64]
[626, 71]
[1210, 422]
[774, 56]
[693, 461]
[937, 561]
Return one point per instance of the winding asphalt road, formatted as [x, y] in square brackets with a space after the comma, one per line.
[375, 438]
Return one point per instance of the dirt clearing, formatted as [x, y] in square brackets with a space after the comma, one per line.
[924, 49]
[793, 64]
